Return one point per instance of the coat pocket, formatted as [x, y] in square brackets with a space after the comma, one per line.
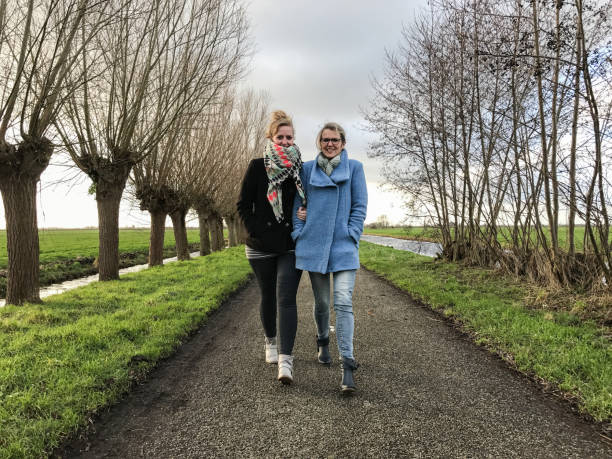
[351, 238]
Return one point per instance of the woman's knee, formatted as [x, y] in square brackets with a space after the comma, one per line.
[343, 308]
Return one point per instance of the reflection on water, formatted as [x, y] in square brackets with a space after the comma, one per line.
[55, 289]
[429, 249]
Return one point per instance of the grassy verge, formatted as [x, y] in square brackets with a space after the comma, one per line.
[79, 351]
[556, 346]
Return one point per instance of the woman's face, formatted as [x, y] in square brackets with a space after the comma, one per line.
[284, 136]
[331, 143]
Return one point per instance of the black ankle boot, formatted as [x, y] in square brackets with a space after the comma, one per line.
[323, 350]
[348, 383]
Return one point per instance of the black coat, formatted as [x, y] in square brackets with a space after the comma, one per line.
[265, 232]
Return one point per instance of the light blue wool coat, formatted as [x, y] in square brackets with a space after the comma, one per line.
[328, 241]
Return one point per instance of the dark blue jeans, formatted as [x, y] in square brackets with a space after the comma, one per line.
[278, 281]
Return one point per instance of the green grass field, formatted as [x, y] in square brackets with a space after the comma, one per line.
[80, 351]
[431, 234]
[556, 346]
[60, 244]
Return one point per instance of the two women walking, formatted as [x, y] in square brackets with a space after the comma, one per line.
[304, 217]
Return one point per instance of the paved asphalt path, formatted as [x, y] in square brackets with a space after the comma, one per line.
[424, 390]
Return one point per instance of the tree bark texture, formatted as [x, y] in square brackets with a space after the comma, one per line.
[19, 197]
[110, 183]
[232, 236]
[215, 223]
[204, 234]
[156, 243]
[108, 225]
[242, 232]
[180, 234]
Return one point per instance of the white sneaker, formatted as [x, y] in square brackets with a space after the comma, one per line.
[271, 350]
[285, 368]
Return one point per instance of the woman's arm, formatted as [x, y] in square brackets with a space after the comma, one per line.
[248, 196]
[359, 202]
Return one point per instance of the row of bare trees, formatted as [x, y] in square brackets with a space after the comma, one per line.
[494, 117]
[199, 165]
[114, 83]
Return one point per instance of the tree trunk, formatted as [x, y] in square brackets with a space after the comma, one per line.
[108, 224]
[240, 231]
[110, 183]
[156, 243]
[231, 231]
[220, 235]
[19, 196]
[216, 232]
[204, 233]
[180, 234]
[20, 170]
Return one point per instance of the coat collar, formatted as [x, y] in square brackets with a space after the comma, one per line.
[340, 174]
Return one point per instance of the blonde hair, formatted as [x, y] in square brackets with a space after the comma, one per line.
[332, 127]
[278, 118]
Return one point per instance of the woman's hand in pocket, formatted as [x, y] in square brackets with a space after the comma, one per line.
[301, 213]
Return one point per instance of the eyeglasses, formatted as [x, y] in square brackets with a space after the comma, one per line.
[326, 140]
[281, 137]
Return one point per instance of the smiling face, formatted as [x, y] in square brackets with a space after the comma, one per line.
[331, 143]
[283, 136]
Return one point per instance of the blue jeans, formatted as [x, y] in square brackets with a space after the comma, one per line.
[344, 281]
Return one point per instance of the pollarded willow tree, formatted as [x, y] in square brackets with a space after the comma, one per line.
[494, 117]
[164, 59]
[42, 44]
[150, 183]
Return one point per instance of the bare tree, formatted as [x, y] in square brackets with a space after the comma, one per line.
[41, 46]
[164, 59]
[150, 182]
[494, 116]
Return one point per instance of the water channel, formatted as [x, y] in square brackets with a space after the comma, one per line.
[429, 249]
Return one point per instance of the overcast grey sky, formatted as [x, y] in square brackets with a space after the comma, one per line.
[315, 58]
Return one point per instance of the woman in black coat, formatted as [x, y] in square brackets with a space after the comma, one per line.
[265, 206]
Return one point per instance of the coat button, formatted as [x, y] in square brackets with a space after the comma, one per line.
[269, 224]
[287, 225]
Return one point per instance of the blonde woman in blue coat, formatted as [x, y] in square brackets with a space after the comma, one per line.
[327, 241]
